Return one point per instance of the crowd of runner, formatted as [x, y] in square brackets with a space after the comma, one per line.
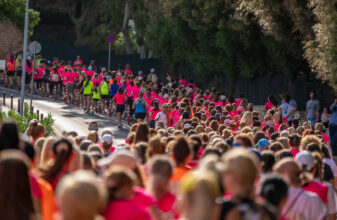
[191, 154]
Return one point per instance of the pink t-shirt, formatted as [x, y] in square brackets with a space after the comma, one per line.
[29, 68]
[294, 152]
[100, 77]
[268, 105]
[64, 76]
[125, 210]
[40, 72]
[142, 198]
[94, 81]
[129, 90]
[128, 71]
[154, 114]
[238, 101]
[136, 91]
[166, 202]
[325, 138]
[182, 81]
[120, 99]
[70, 77]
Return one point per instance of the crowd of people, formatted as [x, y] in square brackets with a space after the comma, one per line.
[191, 154]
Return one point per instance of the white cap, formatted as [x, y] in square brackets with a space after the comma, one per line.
[140, 72]
[107, 138]
[152, 70]
[166, 96]
[119, 73]
[306, 160]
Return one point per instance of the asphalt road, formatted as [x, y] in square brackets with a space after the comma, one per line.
[69, 117]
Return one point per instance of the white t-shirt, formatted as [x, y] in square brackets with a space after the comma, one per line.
[332, 199]
[303, 205]
[161, 117]
[286, 108]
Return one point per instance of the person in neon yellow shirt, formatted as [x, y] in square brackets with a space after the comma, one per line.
[86, 90]
[105, 90]
[95, 96]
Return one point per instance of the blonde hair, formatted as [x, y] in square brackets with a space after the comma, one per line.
[247, 118]
[81, 195]
[46, 152]
[293, 169]
[310, 139]
[156, 146]
[243, 165]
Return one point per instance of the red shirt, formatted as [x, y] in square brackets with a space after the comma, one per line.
[318, 188]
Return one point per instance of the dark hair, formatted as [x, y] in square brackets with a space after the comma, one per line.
[142, 133]
[273, 188]
[61, 157]
[181, 150]
[156, 106]
[9, 136]
[120, 90]
[15, 190]
[259, 135]
[294, 140]
[283, 154]
[268, 159]
[272, 100]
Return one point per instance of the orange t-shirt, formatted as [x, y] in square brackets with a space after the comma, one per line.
[178, 174]
[47, 200]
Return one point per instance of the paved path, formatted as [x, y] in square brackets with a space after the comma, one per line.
[69, 117]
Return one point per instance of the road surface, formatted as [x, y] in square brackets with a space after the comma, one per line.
[69, 117]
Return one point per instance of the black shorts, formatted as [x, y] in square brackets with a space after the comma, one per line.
[45, 80]
[120, 108]
[105, 97]
[95, 99]
[86, 95]
[27, 79]
[140, 115]
[10, 73]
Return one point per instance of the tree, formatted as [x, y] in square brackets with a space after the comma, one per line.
[14, 11]
[12, 17]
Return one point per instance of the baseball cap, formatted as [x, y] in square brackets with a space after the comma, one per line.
[152, 70]
[140, 72]
[306, 160]
[107, 138]
[270, 123]
[119, 73]
[263, 143]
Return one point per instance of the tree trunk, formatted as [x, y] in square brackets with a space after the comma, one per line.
[125, 30]
[141, 51]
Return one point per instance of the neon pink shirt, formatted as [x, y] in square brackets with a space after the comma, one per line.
[136, 91]
[29, 68]
[36, 190]
[100, 77]
[142, 198]
[64, 77]
[148, 100]
[40, 72]
[70, 77]
[128, 71]
[125, 210]
[166, 202]
[276, 126]
[119, 98]
[294, 152]
[154, 113]
[238, 101]
[182, 81]
[268, 105]
[94, 81]
[129, 90]
[325, 138]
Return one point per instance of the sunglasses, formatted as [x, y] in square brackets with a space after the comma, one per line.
[93, 128]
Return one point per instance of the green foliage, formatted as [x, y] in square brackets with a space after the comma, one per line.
[23, 121]
[14, 10]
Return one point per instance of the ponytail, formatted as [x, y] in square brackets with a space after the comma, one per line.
[61, 158]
